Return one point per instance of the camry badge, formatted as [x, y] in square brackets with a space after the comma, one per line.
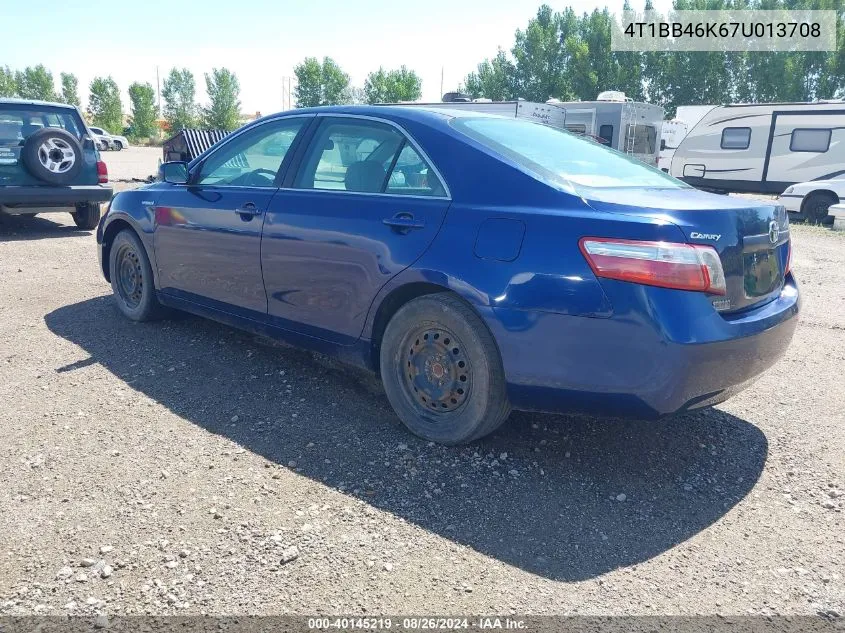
[705, 236]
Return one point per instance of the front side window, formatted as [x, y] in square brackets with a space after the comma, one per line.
[252, 159]
[736, 138]
[561, 157]
[365, 157]
[809, 140]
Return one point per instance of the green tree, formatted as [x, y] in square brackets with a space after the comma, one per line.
[142, 104]
[36, 83]
[178, 92]
[320, 84]
[70, 89]
[8, 84]
[494, 79]
[224, 110]
[104, 104]
[392, 86]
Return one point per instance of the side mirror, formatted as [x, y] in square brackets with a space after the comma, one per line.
[174, 172]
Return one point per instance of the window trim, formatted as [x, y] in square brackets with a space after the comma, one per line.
[738, 149]
[410, 140]
[811, 129]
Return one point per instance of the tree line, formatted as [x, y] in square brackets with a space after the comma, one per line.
[323, 82]
[567, 56]
[559, 54]
[105, 107]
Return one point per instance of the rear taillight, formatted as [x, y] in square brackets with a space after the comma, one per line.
[102, 172]
[664, 264]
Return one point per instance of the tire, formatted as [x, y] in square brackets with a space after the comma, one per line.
[453, 390]
[816, 207]
[132, 278]
[118, 145]
[53, 156]
[87, 217]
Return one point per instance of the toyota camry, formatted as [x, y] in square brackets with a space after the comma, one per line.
[478, 264]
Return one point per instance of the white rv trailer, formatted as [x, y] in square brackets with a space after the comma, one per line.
[613, 120]
[763, 148]
[675, 131]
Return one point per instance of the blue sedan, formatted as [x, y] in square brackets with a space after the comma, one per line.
[479, 264]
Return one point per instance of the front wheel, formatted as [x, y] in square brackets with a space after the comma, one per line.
[132, 278]
[441, 371]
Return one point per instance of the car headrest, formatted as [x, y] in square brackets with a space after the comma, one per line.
[29, 129]
[365, 175]
[10, 131]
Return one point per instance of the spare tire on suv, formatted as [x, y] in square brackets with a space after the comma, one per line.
[52, 155]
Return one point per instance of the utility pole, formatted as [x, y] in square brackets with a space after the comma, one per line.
[441, 82]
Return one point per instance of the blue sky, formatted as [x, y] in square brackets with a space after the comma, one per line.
[262, 40]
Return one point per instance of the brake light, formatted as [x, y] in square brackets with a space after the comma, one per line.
[102, 172]
[665, 264]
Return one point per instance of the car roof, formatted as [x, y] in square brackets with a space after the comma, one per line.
[387, 111]
[33, 102]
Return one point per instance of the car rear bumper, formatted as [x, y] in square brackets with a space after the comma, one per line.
[51, 196]
[637, 364]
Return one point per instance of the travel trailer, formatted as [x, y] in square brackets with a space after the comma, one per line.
[763, 148]
[675, 131]
[612, 119]
[671, 135]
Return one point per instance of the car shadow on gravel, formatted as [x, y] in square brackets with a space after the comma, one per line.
[567, 498]
[14, 228]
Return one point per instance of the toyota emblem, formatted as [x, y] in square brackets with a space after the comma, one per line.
[774, 232]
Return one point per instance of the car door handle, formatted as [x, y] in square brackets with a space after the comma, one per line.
[248, 210]
[403, 222]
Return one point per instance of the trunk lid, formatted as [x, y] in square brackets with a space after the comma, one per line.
[751, 236]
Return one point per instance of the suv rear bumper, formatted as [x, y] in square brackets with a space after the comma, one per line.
[13, 198]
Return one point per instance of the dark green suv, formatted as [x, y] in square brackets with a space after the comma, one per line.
[49, 162]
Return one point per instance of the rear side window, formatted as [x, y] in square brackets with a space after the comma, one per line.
[562, 158]
[606, 135]
[809, 141]
[365, 157]
[736, 138]
[17, 123]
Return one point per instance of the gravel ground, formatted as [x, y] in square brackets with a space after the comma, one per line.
[132, 162]
[184, 467]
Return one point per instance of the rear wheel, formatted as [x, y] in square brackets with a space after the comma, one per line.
[441, 371]
[87, 217]
[132, 278]
[816, 207]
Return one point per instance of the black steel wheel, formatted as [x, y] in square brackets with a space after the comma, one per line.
[132, 277]
[441, 370]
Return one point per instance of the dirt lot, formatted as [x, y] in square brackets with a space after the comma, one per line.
[172, 467]
[132, 163]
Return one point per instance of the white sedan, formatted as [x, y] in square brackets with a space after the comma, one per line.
[810, 201]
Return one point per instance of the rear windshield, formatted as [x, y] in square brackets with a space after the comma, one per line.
[18, 122]
[561, 157]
